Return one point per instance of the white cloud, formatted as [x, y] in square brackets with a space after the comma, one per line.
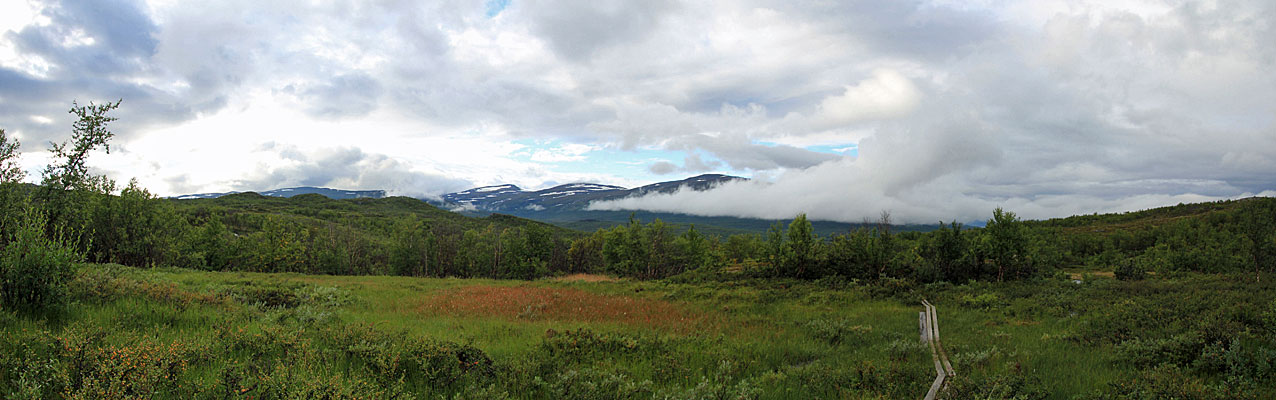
[888, 94]
[847, 190]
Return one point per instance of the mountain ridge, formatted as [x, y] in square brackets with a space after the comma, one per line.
[337, 194]
[567, 197]
[505, 197]
[563, 205]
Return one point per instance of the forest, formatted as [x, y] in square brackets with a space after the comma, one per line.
[79, 253]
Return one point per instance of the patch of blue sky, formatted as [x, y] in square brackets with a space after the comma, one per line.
[495, 7]
[841, 149]
[846, 149]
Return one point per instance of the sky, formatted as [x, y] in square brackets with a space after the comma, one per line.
[930, 110]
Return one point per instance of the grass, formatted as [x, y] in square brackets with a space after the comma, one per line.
[176, 333]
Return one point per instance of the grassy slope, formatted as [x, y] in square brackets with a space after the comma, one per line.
[1146, 218]
[789, 339]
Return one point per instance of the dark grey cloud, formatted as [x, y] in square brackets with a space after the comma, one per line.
[578, 29]
[694, 164]
[121, 35]
[691, 164]
[662, 168]
[914, 29]
[96, 51]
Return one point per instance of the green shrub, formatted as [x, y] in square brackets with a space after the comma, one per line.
[399, 357]
[589, 383]
[1246, 363]
[718, 386]
[836, 331]
[34, 269]
[583, 344]
[976, 357]
[904, 349]
[1180, 349]
[136, 369]
[1012, 384]
[1169, 382]
[982, 301]
[29, 365]
[1131, 269]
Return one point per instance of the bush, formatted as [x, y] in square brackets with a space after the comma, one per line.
[399, 357]
[1133, 269]
[1169, 382]
[34, 270]
[836, 331]
[1012, 384]
[583, 344]
[589, 383]
[983, 301]
[719, 386]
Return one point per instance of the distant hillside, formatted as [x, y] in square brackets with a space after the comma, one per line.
[507, 198]
[295, 191]
[1147, 218]
[590, 221]
[568, 197]
[1209, 237]
[364, 213]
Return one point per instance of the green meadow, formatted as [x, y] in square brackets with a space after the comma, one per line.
[178, 333]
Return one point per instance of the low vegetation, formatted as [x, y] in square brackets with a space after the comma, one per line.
[179, 333]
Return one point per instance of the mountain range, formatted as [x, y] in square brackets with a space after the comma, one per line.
[565, 205]
[289, 192]
[509, 198]
[568, 197]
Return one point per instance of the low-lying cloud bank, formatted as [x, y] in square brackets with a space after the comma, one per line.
[846, 191]
[349, 168]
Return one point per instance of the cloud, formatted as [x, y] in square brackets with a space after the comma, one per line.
[88, 51]
[694, 164]
[662, 168]
[845, 190]
[350, 168]
[888, 94]
[691, 164]
[349, 95]
[578, 29]
[1106, 111]
[953, 106]
[742, 154]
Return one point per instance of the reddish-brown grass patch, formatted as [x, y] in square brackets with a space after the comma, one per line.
[562, 304]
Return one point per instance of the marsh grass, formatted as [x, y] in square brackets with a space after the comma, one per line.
[175, 333]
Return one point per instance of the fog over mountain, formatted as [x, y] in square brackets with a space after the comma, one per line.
[930, 109]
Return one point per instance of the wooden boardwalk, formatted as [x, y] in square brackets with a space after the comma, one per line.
[928, 322]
